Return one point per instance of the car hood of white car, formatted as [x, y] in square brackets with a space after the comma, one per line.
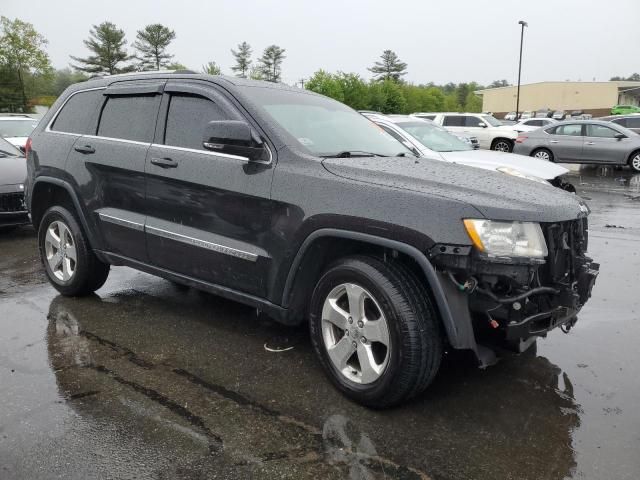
[18, 142]
[491, 160]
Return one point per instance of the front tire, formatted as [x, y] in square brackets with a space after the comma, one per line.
[502, 145]
[542, 154]
[70, 264]
[375, 331]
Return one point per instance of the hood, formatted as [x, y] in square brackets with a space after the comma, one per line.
[490, 160]
[18, 142]
[496, 195]
[13, 170]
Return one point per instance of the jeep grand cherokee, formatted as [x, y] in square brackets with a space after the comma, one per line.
[297, 205]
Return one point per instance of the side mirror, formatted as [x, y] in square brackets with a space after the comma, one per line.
[233, 137]
[620, 136]
[482, 124]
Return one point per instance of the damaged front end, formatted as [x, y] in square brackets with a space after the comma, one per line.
[517, 298]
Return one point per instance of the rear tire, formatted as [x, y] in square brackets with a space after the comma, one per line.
[542, 154]
[393, 306]
[502, 145]
[634, 161]
[70, 264]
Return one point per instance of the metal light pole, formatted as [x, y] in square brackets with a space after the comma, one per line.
[524, 24]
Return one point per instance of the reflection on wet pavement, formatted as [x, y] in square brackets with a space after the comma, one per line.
[145, 380]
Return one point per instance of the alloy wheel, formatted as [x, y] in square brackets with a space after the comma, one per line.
[502, 147]
[542, 155]
[355, 333]
[60, 251]
[635, 163]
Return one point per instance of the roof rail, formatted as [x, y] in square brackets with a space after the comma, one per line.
[146, 72]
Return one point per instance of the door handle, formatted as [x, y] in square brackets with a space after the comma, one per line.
[86, 149]
[554, 141]
[164, 162]
[590, 143]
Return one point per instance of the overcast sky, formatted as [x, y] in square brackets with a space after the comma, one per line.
[442, 40]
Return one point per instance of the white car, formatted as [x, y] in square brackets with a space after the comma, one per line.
[17, 128]
[429, 140]
[491, 134]
[530, 124]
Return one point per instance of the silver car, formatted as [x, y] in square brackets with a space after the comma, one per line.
[582, 141]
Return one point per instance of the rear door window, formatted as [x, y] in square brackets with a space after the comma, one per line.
[186, 120]
[78, 113]
[633, 122]
[473, 122]
[453, 121]
[129, 117]
[572, 129]
[600, 131]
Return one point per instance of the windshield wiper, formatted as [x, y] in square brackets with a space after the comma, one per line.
[352, 154]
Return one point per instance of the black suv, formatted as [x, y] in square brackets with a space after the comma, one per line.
[299, 206]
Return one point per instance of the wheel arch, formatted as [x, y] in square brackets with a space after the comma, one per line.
[632, 155]
[506, 139]
[312, 258]
[49, 191]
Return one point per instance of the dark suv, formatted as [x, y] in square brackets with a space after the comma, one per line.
[302, 208]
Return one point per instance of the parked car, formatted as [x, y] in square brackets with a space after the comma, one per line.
[510, 116]
[508, 122]
[632, 122]
[559, 115]
[299, 206]
[624, 109]
[17, 128]
[544, 113]
[13, 175]
[469, 140]
[583, 141]
[490, 132]
[431, 141]
[424, 116]
[531, 124]
[527, 114]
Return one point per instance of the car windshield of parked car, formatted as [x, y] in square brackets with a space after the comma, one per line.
[17, 128]
[434, 138]
[326, 127]
[8, 150]
[491, 120]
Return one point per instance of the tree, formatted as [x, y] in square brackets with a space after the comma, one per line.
[151, 44]
[243, 59]
[177, 66]
[22, 54]
[107, 43]
[499, 84]
[271, 62]
[65, 77]
[325, 84]
[390, 68]
[211, 68]
[635, 77]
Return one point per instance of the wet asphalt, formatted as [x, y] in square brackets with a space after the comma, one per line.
[149, 380]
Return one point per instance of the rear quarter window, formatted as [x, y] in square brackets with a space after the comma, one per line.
[453, 121]
[78, 113]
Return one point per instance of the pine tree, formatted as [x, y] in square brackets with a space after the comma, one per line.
[107, 43]
[271, 61]
[243, 60]
[151, 44]
[211, 68]
[390, 68]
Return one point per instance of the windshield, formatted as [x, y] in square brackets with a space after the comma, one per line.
[434, 138]
[491, 120]
[17, 127]
[325, 127]
[8, 150]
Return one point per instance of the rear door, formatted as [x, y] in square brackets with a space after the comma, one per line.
[209, 214]
[602, 146]
[109, 163]
[566, 142]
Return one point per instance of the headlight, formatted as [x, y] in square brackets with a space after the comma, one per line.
[517, 173]
[507, 239]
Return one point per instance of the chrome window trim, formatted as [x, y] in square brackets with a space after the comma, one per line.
[122, 140]
[121, 221]
[217, 154]
[53, 119]
[196, 242]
